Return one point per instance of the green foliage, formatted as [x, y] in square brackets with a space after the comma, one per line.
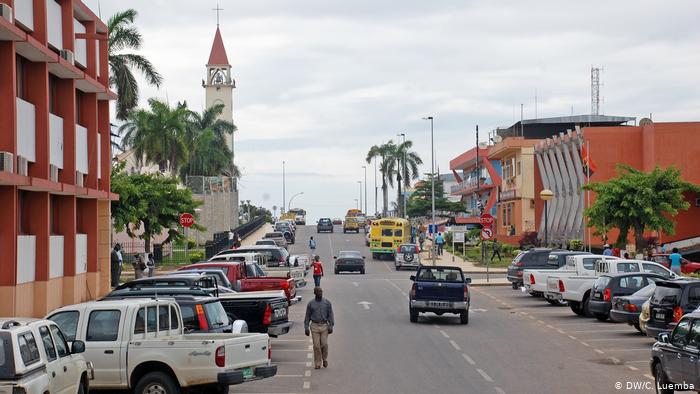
[196, 257]
[406, 170]
[576, 244]
[255, 212]
[387, 163]
[528, 240]
[149, 204]
[419, 203]
[638, 201]
[474, 233]
[448, 236]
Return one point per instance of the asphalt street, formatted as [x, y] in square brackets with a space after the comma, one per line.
[513, 343]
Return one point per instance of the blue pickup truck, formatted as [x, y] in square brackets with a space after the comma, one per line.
[439, 289]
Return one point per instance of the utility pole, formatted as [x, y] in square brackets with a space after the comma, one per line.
[366, 203]
[376, 191]
[284, 192]
[432, 179]
[403, 174]
[479, 205]
[360, 182]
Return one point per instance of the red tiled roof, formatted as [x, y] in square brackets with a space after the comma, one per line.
[218, 52]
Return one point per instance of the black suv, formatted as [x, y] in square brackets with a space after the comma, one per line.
[609, 286]
[671, 300]
[532, 259]
[325, 224]
[674, 357]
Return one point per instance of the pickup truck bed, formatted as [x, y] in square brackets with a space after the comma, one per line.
[439, 289]
[264, 311]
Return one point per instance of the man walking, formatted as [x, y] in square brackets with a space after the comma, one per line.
[319, 322]
[675, 258]
[318, 270]
[116, 261]
[607, 251]
[496, 248]
[440, 242]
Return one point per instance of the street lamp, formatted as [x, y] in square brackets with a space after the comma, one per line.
[356, 205]
[290, 200]
[403, 197]
[284, 195]
[432, 175]
[546, 195]
[247, 203]
[366, 203]
[360, 182]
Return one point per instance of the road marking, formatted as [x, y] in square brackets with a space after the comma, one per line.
[572, 337]
[633, 368]
[598, 351]
[355, 284]
[532, 317]
[478, 310]
[540, 321]
[469, 359]
[307, 373]
[330, 244]
[484, 375]
[561, 331]
[307, 385]
[308, 355]
[365, 304]
[308, 364]
[444, 334]
[396, 287]
[648, 376]
[499, 390]
[455, 345]
[436, 326]
[585, 344]
[550, 326]
[311, 347]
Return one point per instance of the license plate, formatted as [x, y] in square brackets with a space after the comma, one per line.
[279, 313]
[248, 373]
[659, 316]
[439, 304]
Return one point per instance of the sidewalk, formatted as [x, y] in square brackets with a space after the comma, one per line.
[467, 266]
[256, 235]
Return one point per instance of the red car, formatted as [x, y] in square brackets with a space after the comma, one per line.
[687, 267]
[338, 221]
[249, 277]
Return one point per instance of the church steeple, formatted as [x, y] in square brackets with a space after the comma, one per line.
[217, 56]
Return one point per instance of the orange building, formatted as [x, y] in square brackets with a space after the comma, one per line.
[54, 155]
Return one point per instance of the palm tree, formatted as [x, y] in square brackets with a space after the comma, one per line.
[406, 169]
[157, 136]
[387, 162]
[123, 35]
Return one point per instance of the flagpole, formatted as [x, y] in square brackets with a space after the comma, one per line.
[588, 192]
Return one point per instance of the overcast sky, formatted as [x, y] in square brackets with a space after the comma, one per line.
[320, 81]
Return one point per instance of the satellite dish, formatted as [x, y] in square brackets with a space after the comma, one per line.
[483, 145]
[497, 138]
[645, 122]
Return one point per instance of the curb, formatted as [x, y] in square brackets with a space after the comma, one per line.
[484, 272]
[490, 284]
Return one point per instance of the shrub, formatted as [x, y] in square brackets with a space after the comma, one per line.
[474, 233]
[196, 257]
[576, 244]
[448, 237]
[528, 240]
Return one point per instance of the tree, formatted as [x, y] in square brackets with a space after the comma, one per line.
[123, 35]
[158, 135]
[638, 201]
[150, 203]
[255, 212]
[387, 162]
[406, 168]
[419, 203]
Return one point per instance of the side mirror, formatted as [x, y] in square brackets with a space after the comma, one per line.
[663, 337]
[335, 257]
[467, 280]
[412, 277]
[77, 347]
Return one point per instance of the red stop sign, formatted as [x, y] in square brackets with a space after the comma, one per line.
[486, 220]
[186, 220]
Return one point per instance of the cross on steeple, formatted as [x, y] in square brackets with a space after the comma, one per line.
[217, 9]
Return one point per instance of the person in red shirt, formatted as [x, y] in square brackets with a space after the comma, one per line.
[318, 270]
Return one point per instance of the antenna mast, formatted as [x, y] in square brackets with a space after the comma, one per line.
[595, 90]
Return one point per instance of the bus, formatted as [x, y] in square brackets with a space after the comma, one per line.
[299, 216]
[386, 235]
[353, 212]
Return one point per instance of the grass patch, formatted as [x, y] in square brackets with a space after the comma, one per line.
[473, 254]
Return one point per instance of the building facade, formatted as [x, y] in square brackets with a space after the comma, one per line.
[477, 185]
[54, 156]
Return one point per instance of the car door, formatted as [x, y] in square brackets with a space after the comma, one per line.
[68, 370]
[674, 355]
[691, 366]
[102, 339]
[52, 361]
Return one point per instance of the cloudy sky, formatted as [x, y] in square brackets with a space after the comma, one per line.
[320, 81]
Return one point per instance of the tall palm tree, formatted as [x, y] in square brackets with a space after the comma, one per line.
[406, 170]
[123, 35]
[157, 136]
[387, 163]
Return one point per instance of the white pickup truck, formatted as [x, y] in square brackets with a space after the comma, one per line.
[576, 289]
[272, 269]
[547, 281]
[139, 344]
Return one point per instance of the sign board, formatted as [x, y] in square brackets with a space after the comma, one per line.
[432, 228]
[486, 233]
[458, 237]
[486, 220]
[186, 220]
[458, 229]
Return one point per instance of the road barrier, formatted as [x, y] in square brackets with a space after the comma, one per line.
[221, 240]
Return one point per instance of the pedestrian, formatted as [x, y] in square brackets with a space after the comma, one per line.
[318, 270]
[116, 261]
[663, 249]
[606, 250]
[512, 230]
[627, 256]
[312, 243]
[440, 242]
[496, 247]
[319, 323]
[421, 239]
[231, 239]
[139, 266]
[676, 258]
[151, 264]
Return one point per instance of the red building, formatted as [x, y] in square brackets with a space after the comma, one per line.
[54, 155]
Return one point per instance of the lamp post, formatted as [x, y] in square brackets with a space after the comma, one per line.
[366, 203]
[284, 195]
[290, 200]
[356, 204]
[403, 167]
[432, 176]
[247, 203]
[360, 183]
[546, 195]
[376, 190]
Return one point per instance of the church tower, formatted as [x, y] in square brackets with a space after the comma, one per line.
[219, 85]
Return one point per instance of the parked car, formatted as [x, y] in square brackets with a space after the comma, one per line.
[269, 242]
[324, 224]
[687, 266]
[440, 290]
[337, 221]
[576, 265]
[272, 253]
[221, 278]
[140, 345]
[278, 237]
[671, 300]
[303, 259]
[407, 255]
[627, 309]
[35, 357]
[674, 357]
[288, 229]
[533, 258]
[349, 261]
[609, 286]
[535, 280]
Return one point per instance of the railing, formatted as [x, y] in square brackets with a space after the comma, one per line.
[81, 151]
[221, 241]
[26, 258]
[26, 130]
[56, 136]
[54, 24]
[468, 186]
[56, 256]
[24, 13]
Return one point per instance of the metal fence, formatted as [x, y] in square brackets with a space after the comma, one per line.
[163, 254]
[221, 240]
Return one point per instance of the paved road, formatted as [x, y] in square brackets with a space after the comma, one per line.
[514, 343]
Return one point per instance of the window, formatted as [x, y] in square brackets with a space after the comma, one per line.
[680, 334]
[163, 318]
[61, 344]
[151, 319]
[78, 110]
[48, 343]
[53, 94]
[441, 274]
[21, 76]
[398, 233]
[140, 323]
[23, 215]
[627, 267]
[661, 260]
[174, 322]
[216, 314]
[103, 326]
[694, 337]
[694, 297]
[632, 282]
[589, 264]
[655, 269]
[518, 168]
[28, 349]
[190, 321]
[386, 232]
[68, 322]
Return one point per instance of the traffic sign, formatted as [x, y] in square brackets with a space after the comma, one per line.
[486, 233]
[432, 228]
[186, 220]
[459, 237]
[486, 220]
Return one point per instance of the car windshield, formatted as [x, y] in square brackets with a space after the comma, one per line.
[274, 235]
[350, 254]
[441, 275]
[216, 314]
[602, 282]
[646, 291]
[407, 249]
[666, 295]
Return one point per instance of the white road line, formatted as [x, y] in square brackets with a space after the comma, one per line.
[455, 345]
[561, 331]
[355, 284]
[436, 326]
[311, 347]
[330, 244]
[396, 286]
[484, 375]
[307, 373]
[444, 334]
[598, 351]
[572, 337]
[585, 344]
[308, 364]
[499, 390]
[633, 368]
[648, 376]
[540, 321]
[468, 359]
[307, 385]
[309, 355]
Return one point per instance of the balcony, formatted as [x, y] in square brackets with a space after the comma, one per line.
[81, 253]
[56, 137]
[26, 130]
[81, 149]
[24, 13]
[54, 24]
[80, 45]
[56, 256]
[26, 258]
[470, 186]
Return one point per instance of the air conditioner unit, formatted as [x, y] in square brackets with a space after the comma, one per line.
[7, 162]
[53, 173]
[79, 179]
[697, 202]
[22, 166]
[68, 56]
[6, 12]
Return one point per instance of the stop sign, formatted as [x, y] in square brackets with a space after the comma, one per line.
[486, 220]
[186, 220]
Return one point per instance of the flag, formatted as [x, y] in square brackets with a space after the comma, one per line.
[589, 166]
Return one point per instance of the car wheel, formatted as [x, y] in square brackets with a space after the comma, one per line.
[661, 380]
[464, 317]
[556, 302]
[362, 271]
[576, 308]
[584, 306]
[398, 267]
[413, 316]
[157, 382]
[601, 316]
[81, 388]
[514, 286]
[337, 272]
